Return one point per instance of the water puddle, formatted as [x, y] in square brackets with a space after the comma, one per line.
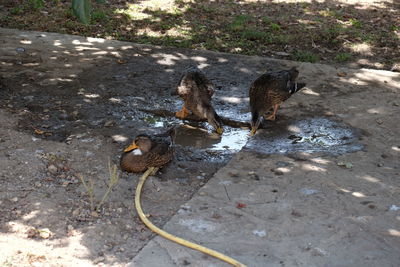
[232, 140]
[310, 135]
[307, 135]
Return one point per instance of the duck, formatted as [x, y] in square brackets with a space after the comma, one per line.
[146, 151]
[268, 92]
[196, 90]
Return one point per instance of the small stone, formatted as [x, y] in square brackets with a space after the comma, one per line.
[233, 174]
[379, 164]
[341, 74]
[52, 169]
[283, 54]
[94, 214]
[76, 212]
[379, 121]
[202, 193]
[45, 233]
[98, 260]
[282, 164]
[109, 123]
[259, 233]
[14, 199]
[70, 227]
[38, 184]
[277, 172]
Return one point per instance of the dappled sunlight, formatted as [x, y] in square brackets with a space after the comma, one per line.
[321, 161]
[379, 110]
[396, 148]
[309, 91]
[394, 232]
[119, 138]
[358, 194]
[361, 48]
[294, 128]
[26, 42]
[370, 178]
[233, 100]
[311, 167]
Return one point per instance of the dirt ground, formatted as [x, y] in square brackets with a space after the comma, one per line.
[70, 104]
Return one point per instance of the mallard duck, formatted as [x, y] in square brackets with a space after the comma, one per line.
[269, 91]
[145, 152]
[196, 91]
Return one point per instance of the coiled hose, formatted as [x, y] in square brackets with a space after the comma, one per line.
[173, 238]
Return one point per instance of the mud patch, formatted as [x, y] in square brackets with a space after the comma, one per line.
[306, 135]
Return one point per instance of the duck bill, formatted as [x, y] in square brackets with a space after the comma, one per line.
[253, 131]
[219, 130]
[131, 147]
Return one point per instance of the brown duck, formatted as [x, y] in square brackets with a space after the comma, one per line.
[269, 91]
[196, 91]
[145, 152]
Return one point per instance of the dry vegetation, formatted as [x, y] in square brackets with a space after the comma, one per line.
[362, 32]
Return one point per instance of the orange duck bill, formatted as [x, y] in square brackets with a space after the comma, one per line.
[131, 147]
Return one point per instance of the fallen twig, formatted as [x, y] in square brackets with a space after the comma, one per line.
[191, 117]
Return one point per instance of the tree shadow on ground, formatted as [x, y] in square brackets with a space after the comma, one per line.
[364, 34]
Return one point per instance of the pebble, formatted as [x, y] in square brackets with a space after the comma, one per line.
[98, 260]
[109, 123]
[14, 199]
[45, 233]
[52, 169]
[259, 233]
[233, 174]
[277, 172]
[38, 184]
[76, 212]
[282, 164]
[307, 191]
[379, 164]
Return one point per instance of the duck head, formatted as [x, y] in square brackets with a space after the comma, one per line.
[255, 122]
[214, 120]
[141, 143]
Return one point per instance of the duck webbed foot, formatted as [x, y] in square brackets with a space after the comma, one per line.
[182, 113]
[272, 117]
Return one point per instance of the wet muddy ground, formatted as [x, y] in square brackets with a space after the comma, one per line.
[69, 106]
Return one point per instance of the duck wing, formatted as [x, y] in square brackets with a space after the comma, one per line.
[194, 80]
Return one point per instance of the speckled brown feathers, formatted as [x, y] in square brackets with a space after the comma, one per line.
[196, 91]
[153, 153]
[269, 91]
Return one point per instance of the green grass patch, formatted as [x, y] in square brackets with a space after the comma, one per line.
[240, 22]
[342, 57]
[16, 10]
[305, 56]
[356, 23]
[253, 34]
[99, 15]
[333, 31]
[274, 27]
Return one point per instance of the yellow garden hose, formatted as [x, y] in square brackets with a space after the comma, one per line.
[173, 238]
